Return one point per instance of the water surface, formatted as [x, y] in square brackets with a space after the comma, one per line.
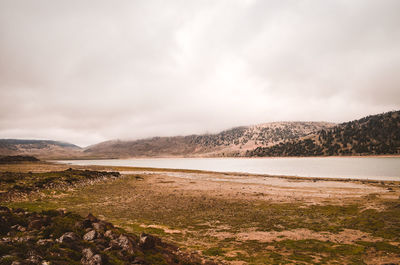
[378, 168]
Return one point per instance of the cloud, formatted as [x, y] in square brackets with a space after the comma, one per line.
[95, 70]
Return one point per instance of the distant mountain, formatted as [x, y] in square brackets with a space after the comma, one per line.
[39, 148]
[233, 142]
[372, 135]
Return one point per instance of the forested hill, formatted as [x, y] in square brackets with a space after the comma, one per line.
[372, 135]
[232, 142]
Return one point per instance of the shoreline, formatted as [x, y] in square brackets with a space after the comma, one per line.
[352, 169]
[237, 218]
[225, 157]
[133, 169]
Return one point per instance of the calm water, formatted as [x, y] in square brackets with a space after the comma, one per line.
[379, 168]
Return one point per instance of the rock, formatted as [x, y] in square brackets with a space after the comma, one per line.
[138, 260]
[125, 243]
[44, 242]
[91, 235]
[96, 260]
[24, 239]
[147, 241]
[19, 228]
[34, 260]
[89, 258]
[101, 243]
[35, 224]
[90, 217]
[110, 234]
[62, 211]
[114, 245]
[86, 223]
[99, 226]
[68, 237]
[79, 225]
[87, 253]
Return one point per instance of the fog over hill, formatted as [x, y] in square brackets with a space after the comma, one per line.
[232, 142]
[90, 71]
[372, 135]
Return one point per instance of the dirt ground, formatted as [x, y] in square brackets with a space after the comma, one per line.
[244, 218]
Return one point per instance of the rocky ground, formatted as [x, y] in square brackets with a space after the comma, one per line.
[236, 218]
[14, 185]
[59, 237]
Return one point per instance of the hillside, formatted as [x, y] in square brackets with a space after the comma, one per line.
[372, 135]
[39, 148]
[233, 142]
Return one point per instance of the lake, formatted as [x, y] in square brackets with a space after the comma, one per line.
[378, 168]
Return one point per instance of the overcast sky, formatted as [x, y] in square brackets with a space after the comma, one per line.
[88, 71]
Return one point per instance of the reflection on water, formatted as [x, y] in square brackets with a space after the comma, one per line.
[380, 168]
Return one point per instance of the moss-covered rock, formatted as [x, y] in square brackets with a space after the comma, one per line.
[58, 237]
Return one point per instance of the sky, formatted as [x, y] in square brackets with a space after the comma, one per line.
[90, 71]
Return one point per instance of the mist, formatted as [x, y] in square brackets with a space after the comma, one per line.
[85, 72]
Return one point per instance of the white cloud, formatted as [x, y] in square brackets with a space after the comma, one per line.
[95, 70]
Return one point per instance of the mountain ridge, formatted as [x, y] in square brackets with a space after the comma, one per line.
[232, 142]
[39, 148]
[371, 135]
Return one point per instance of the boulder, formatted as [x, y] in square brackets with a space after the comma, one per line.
[101, 243]
[99, 226]
[34, 260]
[90, 217]
[125, 243]
[35, 224]
[89, 258]
[44, 242]
[86, 223]
[110, 234]
[147, 241]
[87, 253]
[91, 235]
[68, 237]
[96, 260]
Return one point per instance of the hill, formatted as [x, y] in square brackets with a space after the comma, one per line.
[233, 142]
[372, 135]
[38, 148]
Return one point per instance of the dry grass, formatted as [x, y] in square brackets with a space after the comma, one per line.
[245, 223]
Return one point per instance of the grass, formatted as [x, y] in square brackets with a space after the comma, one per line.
[132, 203]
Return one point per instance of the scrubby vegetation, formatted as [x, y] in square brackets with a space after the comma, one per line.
[17, 159]
[58, 237]
[13, 184]
[372, 135]
[212, 223]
